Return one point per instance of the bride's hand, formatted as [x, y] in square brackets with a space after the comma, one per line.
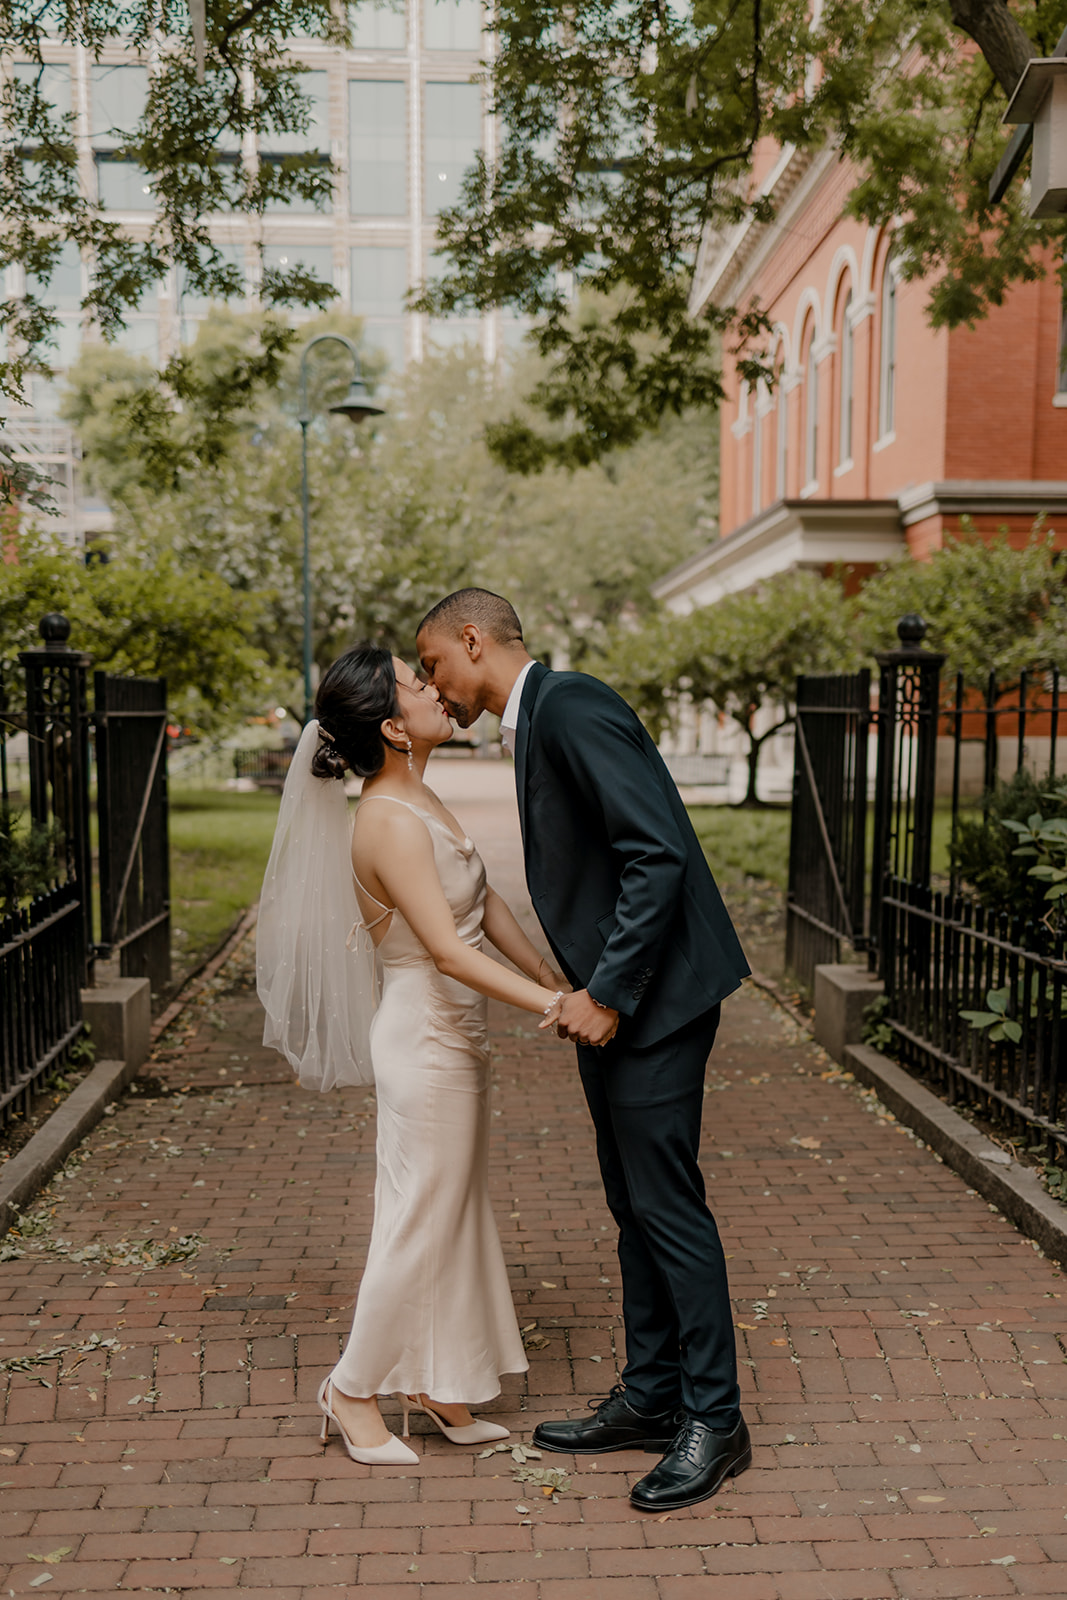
[552, 1010]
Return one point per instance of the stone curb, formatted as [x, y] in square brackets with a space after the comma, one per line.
[1013, 1188]
[26, 1174]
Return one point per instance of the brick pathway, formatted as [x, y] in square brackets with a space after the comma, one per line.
[904, 1360]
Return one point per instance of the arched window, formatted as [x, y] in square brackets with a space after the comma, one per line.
[781, 440]
[757, 452]
[844, 431]
[888, 371]
[811, 415]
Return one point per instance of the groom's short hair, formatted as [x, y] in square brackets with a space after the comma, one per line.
[490, 612]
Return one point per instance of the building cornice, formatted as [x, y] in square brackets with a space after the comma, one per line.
[958, 497]
[743, 249]
[788, 534]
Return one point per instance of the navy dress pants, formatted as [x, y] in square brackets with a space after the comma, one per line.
[646, 1107]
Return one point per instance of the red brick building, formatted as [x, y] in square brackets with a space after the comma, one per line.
[880, 433]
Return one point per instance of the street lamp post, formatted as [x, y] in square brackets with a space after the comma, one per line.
[356, 404]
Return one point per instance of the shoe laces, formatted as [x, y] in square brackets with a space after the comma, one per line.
[687, 1442]
[618, 1393]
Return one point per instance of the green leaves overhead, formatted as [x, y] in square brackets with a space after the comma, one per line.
[191, 142]
[630, 132]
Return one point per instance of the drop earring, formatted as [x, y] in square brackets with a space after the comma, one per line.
[411, 759]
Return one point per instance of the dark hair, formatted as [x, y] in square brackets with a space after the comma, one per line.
[355, 695]
[490, 612]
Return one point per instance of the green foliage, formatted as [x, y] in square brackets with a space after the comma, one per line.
[400, 512]
[191, 141]
[995, 1020]
[990, 607]
[629, 130]
[29, 855]
[152, 619]
[1043, 840]
[984, 850]
[878, 1031]
[742, 655]
[82, 1053]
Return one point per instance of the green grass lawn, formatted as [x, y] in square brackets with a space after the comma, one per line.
[219, 844]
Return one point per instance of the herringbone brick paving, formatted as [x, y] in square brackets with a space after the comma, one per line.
[904, 1366]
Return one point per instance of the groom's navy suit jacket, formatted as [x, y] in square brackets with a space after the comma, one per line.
[616, 875]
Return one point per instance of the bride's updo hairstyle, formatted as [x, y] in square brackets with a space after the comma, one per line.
[355, 695]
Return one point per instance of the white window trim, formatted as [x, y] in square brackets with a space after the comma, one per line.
[843, 467]
[883, 443]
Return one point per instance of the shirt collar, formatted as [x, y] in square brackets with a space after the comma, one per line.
[510, 719]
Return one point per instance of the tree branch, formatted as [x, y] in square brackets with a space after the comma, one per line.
[1005, 45]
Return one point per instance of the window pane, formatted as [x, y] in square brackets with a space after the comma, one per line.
[117, 102]
[53, 84]
[378, 25]
[313, 258]
[122, 185]
[377, 148]
[453, 137]
[452, 24]
[315, 86]
[379, 280]
[63, 291]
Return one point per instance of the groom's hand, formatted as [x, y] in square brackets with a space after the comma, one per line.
[584, 1021]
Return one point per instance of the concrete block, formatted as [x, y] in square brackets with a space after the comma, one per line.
[119, 1016]
[842, 995]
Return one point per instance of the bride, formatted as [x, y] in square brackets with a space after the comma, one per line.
[434, 1321]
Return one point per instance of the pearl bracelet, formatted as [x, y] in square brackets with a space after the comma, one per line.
[556, 998]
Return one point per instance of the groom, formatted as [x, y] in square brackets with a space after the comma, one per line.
[626, 900]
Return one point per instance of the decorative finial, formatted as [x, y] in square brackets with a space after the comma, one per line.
[54, 630]
[911, 631]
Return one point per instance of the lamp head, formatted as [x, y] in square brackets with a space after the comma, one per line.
[357, 403]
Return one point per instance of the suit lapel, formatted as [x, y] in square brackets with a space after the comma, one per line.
[530, 691]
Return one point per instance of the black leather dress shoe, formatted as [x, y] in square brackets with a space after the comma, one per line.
[693, 1468]
[614, 1425]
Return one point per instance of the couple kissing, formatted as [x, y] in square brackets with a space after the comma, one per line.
[371, 968]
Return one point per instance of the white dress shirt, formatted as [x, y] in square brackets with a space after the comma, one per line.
[509, 722]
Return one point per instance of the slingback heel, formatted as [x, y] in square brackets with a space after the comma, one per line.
[477, 1432]
[390, 1454]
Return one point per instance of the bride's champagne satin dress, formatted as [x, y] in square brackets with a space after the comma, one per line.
[434, 1313]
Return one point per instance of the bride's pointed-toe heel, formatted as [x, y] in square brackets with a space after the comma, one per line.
[393, 1453]
[477, 1432]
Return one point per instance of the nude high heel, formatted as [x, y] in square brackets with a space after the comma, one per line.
[477, 1432]
[390, 1454]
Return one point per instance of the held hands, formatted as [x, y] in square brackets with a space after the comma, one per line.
[580, 1018]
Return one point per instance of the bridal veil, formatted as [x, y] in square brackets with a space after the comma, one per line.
[315, 962]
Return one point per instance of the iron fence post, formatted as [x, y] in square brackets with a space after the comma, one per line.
[905, 779]
[57, 724]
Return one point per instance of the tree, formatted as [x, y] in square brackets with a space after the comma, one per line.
[155, 620]
[742, 655]
[630, 128]
[402, 511]
[209, 90]
[989, 606]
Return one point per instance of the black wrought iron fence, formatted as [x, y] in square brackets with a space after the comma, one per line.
[826, 899]
[978, 1001]
[266, 767]
[48, 946]
[42, 957]
[974, 964]
[130, 721]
